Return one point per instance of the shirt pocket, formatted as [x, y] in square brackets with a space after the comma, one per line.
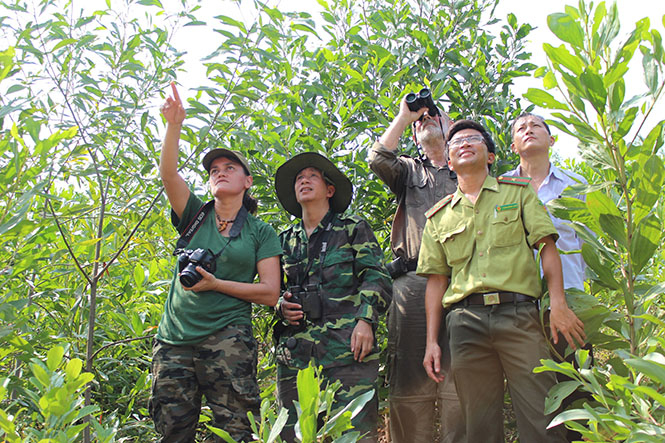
[457, 244]
[416, 191]
[507, 228]
[338, 267]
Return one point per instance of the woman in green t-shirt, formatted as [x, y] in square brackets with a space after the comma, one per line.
[204, 345]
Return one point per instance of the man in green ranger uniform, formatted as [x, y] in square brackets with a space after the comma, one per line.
[337, 287]
[477, 255]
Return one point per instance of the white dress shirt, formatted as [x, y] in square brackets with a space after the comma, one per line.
[556, 181]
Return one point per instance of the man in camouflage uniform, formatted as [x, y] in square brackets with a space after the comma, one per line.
[418, 183]
[337, 287]
[477, 256]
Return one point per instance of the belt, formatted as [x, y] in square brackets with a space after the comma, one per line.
[493, 298]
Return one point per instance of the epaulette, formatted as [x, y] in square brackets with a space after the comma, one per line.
[519, 181]
[440, 204]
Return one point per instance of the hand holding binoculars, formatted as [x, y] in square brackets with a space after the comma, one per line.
[423, 99]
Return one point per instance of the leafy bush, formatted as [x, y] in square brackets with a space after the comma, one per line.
[621, 220]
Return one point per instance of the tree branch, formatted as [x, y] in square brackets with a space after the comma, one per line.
[64, 238]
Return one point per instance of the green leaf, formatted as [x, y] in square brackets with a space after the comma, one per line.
[73, 368]
[54, 357]
[308, 394]
[6, 63]
[64, 42]
[604, 272]
[40, 374]
[571, 415]
[572, 208]
[20, 208]
[646, 239]
[231, 21]
[626, 123]
[648, 181]
[596, 91]
[615, 74]
[651, 67]
[278, 425]
[225, 436]
[566, 28]
[544, 99]
[605, 211]
[549, 80]
[619, 366]
[653, 365]
[654, 140]
[617, 94]
[651, 392]
[558, 393]
[139, 275]
[151, 3]
[561, 56]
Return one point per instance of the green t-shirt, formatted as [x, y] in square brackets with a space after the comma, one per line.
[189, 317]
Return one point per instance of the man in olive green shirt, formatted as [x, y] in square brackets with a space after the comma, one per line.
[476, 254]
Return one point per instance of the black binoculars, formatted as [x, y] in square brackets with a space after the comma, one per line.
[309, 298]
[421, 100]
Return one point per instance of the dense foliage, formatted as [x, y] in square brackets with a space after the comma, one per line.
[86, 240]
[621, 221]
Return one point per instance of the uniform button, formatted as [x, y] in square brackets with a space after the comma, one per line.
[505, 218]
[484, 275]
[291, 343]
[477, 211]
[480, 254]
[480, 232]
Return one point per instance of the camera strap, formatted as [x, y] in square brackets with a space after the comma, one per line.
[240, 220]
[320, 242]
[197, 221]
[194, 225]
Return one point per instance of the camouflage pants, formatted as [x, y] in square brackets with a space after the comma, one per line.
[356, 379]
[222, 368]
[418, 403]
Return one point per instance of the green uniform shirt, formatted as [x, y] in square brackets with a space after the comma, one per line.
[353, 284]
[486, 247]
[189, 317]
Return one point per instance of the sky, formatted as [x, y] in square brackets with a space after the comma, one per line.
[533, 12]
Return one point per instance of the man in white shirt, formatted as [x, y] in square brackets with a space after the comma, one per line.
[532, 141]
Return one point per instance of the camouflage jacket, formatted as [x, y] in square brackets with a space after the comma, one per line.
[352, 284]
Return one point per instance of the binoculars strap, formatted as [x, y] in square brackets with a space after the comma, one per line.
[321, 240]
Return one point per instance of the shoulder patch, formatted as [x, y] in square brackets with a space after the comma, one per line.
[440, 204]
[519, 181]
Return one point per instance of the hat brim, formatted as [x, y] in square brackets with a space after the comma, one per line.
[221, 152]
[285, 178]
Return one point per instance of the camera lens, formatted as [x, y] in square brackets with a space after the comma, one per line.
[190, 276]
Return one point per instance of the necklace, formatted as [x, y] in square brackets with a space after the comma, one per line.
[222, 224]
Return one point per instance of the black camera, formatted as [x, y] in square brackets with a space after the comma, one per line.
[423, 99]
[397, 268]
[309, 298]
[188, 260]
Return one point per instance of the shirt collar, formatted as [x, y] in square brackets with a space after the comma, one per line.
[490, 184]
[299, 227]
[555, 171]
